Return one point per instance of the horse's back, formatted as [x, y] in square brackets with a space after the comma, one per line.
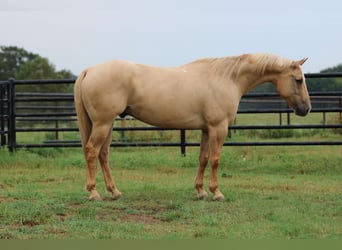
[176, 97]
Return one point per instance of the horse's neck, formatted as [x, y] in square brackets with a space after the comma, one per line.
[250, 80]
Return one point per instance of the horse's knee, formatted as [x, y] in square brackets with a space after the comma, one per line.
[104, 156]
[104, 153]
[215, 161]
[90, 152]
[204, 158]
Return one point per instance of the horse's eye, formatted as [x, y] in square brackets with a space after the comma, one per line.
[299, 81]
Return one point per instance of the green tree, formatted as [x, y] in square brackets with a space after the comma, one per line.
[41, 68]
[64, 74]
[11, 59]
[326, 84]
[38, 68]
[23, 65]
[337, 68]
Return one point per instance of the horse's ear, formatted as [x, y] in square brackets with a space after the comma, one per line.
[295, 64]
[301, 62]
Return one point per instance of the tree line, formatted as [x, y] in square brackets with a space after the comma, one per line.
[326, 84]
[21, 64]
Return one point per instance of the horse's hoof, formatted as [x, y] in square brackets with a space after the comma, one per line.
[94, 195]
[95, 198]
[219, 197]
[116, 196]
[202, 196]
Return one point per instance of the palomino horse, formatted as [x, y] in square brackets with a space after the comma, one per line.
[203, 94]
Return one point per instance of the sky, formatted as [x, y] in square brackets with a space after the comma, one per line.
[75, 34]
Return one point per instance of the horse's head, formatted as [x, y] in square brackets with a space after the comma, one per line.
[291, 86]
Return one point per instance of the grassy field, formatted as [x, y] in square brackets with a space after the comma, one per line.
[271, 193]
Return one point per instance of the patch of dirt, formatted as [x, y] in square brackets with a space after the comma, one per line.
[61, 216]
[146, 217]
[30, 223]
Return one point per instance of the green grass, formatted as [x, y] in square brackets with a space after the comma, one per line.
[271, 193]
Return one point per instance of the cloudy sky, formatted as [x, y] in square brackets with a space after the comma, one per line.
[75, 34]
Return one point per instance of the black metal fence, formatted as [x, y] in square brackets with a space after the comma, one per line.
[25, 112]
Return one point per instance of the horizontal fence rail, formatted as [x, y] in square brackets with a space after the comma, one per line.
[27, 112]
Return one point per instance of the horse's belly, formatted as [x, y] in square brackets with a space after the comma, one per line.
[170, 116]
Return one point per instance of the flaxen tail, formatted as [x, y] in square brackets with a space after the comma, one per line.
[84, 122]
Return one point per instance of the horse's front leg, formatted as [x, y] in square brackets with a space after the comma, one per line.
[217, 135]
[203, 161]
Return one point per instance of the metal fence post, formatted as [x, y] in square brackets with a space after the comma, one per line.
[183, 146]
[340, 106]
[2, 114]
[12, 141]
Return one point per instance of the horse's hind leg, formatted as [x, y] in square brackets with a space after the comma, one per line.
[104, 161]
[91, 158]
[92, 149]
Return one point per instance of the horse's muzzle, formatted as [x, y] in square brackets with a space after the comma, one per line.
[302, 110]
